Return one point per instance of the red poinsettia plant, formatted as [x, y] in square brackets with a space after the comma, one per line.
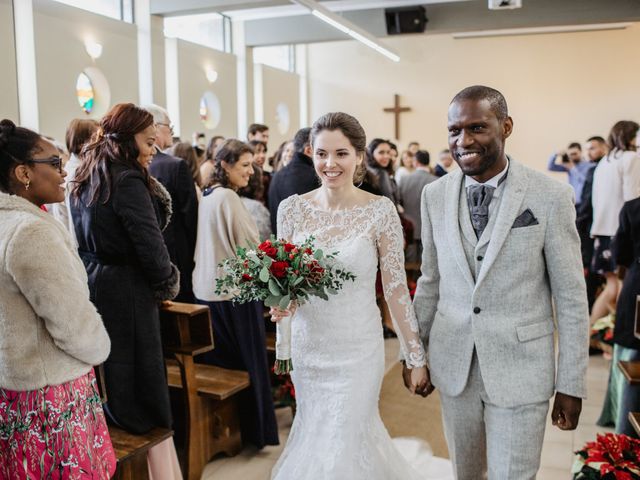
[610, 457]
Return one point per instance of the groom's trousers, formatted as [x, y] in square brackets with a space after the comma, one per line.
[482, 437]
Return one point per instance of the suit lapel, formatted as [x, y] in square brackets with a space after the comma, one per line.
[452, 222]
[513, 195]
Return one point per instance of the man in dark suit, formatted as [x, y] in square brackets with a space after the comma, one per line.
[410, 193]
[298, 176]
[174, 174]
[445, 160]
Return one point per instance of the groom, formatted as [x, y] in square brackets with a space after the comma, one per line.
[500, 251]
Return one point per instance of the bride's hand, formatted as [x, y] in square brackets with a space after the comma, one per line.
[278, 313]
[419, 379]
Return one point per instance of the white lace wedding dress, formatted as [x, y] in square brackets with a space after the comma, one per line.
[338, 351]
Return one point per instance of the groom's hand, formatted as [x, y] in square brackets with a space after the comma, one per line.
[566, 411]
[425, 391]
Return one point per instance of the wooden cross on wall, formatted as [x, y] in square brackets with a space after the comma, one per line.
[397, 110]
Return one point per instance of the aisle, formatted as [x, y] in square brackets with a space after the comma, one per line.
[411, 416]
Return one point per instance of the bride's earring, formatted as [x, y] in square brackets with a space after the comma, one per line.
[27, 185]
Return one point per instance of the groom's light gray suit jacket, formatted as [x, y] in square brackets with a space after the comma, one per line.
[495, 293]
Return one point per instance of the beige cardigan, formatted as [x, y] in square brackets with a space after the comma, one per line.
[224, 224]
[50, 332]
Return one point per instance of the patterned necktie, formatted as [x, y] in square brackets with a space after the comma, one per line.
[479, 197]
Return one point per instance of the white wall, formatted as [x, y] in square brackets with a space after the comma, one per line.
[559, 87]
[276, 87]
[8, 79]
[60, 32]
[157, 61]
[192, 83]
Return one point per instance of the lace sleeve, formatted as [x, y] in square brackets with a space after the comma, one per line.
[390, 251]
[286, 216]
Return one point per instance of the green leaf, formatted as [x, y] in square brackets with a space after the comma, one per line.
[318, 255]
[272, 301]
[254, 258]
[298, 281]
[284, 302]
[273, 288]
[267, 261]
[264, 274]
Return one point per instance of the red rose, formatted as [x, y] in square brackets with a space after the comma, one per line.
[308, 251]
[279, 269]
[246, 277]
[268, 249]
[289, 247]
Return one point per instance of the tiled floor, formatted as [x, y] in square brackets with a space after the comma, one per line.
[557, 452]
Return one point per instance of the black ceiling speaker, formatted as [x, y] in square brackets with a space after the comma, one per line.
[405, 20]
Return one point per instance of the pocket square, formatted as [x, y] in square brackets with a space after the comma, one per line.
[525, 219]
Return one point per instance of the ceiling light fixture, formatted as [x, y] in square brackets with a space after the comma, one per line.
[541, 30]
[347, 27]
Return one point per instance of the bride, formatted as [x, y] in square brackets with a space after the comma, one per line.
[337, 345]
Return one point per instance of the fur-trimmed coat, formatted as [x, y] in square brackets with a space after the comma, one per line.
[121, 244]
[50, 332]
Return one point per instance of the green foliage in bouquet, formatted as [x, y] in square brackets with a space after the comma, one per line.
[610, 457]
[279, 273]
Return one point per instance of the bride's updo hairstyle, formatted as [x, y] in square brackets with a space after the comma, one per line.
[350, 128]
[17, 146]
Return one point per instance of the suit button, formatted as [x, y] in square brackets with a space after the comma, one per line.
[480, 258]
[477, 310]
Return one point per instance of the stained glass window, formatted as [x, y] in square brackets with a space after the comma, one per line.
[85, 93]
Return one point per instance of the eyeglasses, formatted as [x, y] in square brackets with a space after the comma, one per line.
[55, 162]
[168, 125]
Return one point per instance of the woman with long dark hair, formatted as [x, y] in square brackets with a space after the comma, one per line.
[51, 421]
[379, 164]
[117, 208]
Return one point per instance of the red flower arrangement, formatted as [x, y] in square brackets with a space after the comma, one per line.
[610, 457]
[279, 273]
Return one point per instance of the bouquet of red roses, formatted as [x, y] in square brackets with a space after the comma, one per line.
[611, 456]
[279, 273]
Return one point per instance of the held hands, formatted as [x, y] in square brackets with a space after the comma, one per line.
[566, 411]
[417, 380]
[278, 314]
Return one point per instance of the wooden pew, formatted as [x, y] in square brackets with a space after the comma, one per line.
[211, 416]
[131, 451]
[631, 371]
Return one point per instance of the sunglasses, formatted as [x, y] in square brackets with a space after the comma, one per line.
[55, 162]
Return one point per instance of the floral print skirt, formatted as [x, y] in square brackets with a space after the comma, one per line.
[55, 432]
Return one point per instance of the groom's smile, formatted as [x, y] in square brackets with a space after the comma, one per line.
[476, 138]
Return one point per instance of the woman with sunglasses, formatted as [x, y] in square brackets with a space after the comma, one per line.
[51, 420]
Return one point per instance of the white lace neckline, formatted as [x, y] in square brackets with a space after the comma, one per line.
[313, 206]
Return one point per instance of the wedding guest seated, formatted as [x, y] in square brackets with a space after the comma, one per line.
[258, 211]
[239, 330]
[116, 208]
[298, 177]
[51, 419]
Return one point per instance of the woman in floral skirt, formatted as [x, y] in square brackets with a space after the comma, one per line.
[51, 420]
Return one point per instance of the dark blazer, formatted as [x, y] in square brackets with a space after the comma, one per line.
[180, 234]
[584, 218]
[410, 195]
[129, 271]
[298, 177]
[626, 248]
[439, 171]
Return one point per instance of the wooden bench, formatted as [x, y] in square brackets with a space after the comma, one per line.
[634, 420]
[202, 394]
[131, 451]
[631, 371]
